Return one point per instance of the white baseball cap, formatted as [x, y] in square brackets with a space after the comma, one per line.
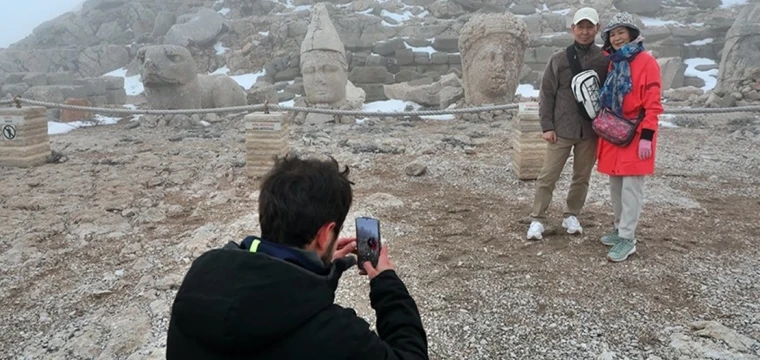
[586, 13]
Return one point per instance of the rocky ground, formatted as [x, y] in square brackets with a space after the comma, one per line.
[95, 245]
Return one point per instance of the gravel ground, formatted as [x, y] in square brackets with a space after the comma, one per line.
[95, 246]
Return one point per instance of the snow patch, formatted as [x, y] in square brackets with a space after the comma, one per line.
[527, 90]
[244, 80]
[732, 3]
[220, 49]
[665, 122]
[648, 21]
[395, 105]
[700, 42]
[132, 84]
[57, 128]
[710, 76]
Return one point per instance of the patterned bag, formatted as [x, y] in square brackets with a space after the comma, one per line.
[615, 129]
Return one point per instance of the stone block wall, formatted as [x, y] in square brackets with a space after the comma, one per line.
[425, 60]
[60, 86]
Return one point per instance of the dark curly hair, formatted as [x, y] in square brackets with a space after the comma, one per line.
[299, 196]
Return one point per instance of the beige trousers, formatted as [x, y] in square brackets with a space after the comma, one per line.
[627, 195]
[584, 157]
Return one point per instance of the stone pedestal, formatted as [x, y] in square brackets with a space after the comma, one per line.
[266, 137]
[76, 115]
[529, 147]
[24, 140]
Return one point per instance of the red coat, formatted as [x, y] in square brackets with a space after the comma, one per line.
[646, 91]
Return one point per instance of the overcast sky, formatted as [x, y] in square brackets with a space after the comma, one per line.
[19, 17]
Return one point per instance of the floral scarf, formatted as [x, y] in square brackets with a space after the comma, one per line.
[618, 82]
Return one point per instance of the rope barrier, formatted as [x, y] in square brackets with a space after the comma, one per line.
[17, 101]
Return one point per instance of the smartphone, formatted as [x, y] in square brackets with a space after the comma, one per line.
[367, 240]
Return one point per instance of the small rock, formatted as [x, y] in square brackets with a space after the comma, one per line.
[607, 355]
[142, 264]
[416, 169]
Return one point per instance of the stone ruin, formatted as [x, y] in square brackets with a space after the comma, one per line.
[492, 47]
[739, 72]
[324, 68]
[171, 82]
[420, 51]
[169, 76]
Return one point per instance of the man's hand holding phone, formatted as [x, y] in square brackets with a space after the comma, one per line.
[344, 247]
[383, 263]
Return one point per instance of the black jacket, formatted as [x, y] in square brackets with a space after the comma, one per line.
[237, 304]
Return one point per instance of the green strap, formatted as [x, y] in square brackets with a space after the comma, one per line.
[254, 245]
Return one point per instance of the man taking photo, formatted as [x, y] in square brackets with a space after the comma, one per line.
[565, 128]
[272, 297]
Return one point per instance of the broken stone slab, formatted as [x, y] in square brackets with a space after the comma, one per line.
[715, 330]
[197, 29]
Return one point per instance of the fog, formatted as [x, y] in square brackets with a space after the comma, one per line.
[19, 17]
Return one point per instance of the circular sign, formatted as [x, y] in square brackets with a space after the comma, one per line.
[9, 132]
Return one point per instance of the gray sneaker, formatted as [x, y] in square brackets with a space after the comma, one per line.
[622, 250]
[611, 239]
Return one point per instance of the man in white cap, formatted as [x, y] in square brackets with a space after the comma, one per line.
[565, 126]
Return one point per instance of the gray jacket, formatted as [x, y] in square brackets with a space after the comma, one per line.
[558, 109]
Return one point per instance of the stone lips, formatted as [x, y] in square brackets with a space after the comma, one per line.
[528, 145]
[266, 137]
[31, 146]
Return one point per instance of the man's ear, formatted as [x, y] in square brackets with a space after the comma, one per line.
[323, 238]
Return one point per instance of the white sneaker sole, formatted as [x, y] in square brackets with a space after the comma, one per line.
[535, 237]
[572, 231]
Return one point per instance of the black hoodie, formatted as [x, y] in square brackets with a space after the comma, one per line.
[238, 304]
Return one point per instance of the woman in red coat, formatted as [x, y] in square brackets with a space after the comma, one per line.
[633, 84]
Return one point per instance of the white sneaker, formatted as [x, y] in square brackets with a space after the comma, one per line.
[536, 231]
[572, 225]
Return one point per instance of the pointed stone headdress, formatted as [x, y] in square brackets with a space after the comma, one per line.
[322, 34]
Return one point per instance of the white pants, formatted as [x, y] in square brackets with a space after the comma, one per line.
[627, 194]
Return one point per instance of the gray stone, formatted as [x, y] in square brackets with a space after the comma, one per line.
[116, 96]
[389, 47]
[197, 29]
[368, 75]
[405, 57]
[642, 7]
[61, 78]
[421, 58]
[113, 82]
[439, 58]
[448, 44]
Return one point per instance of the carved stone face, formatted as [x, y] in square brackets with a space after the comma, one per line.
[324, 76]
[166, 65]
[488, 70]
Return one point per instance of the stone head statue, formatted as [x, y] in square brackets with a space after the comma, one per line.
[492, 47]
[323, 61]
[166, 65]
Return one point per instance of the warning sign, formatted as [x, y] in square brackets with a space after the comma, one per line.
[264, 126]
[528, 107]
[9, 132]
[11, 120]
